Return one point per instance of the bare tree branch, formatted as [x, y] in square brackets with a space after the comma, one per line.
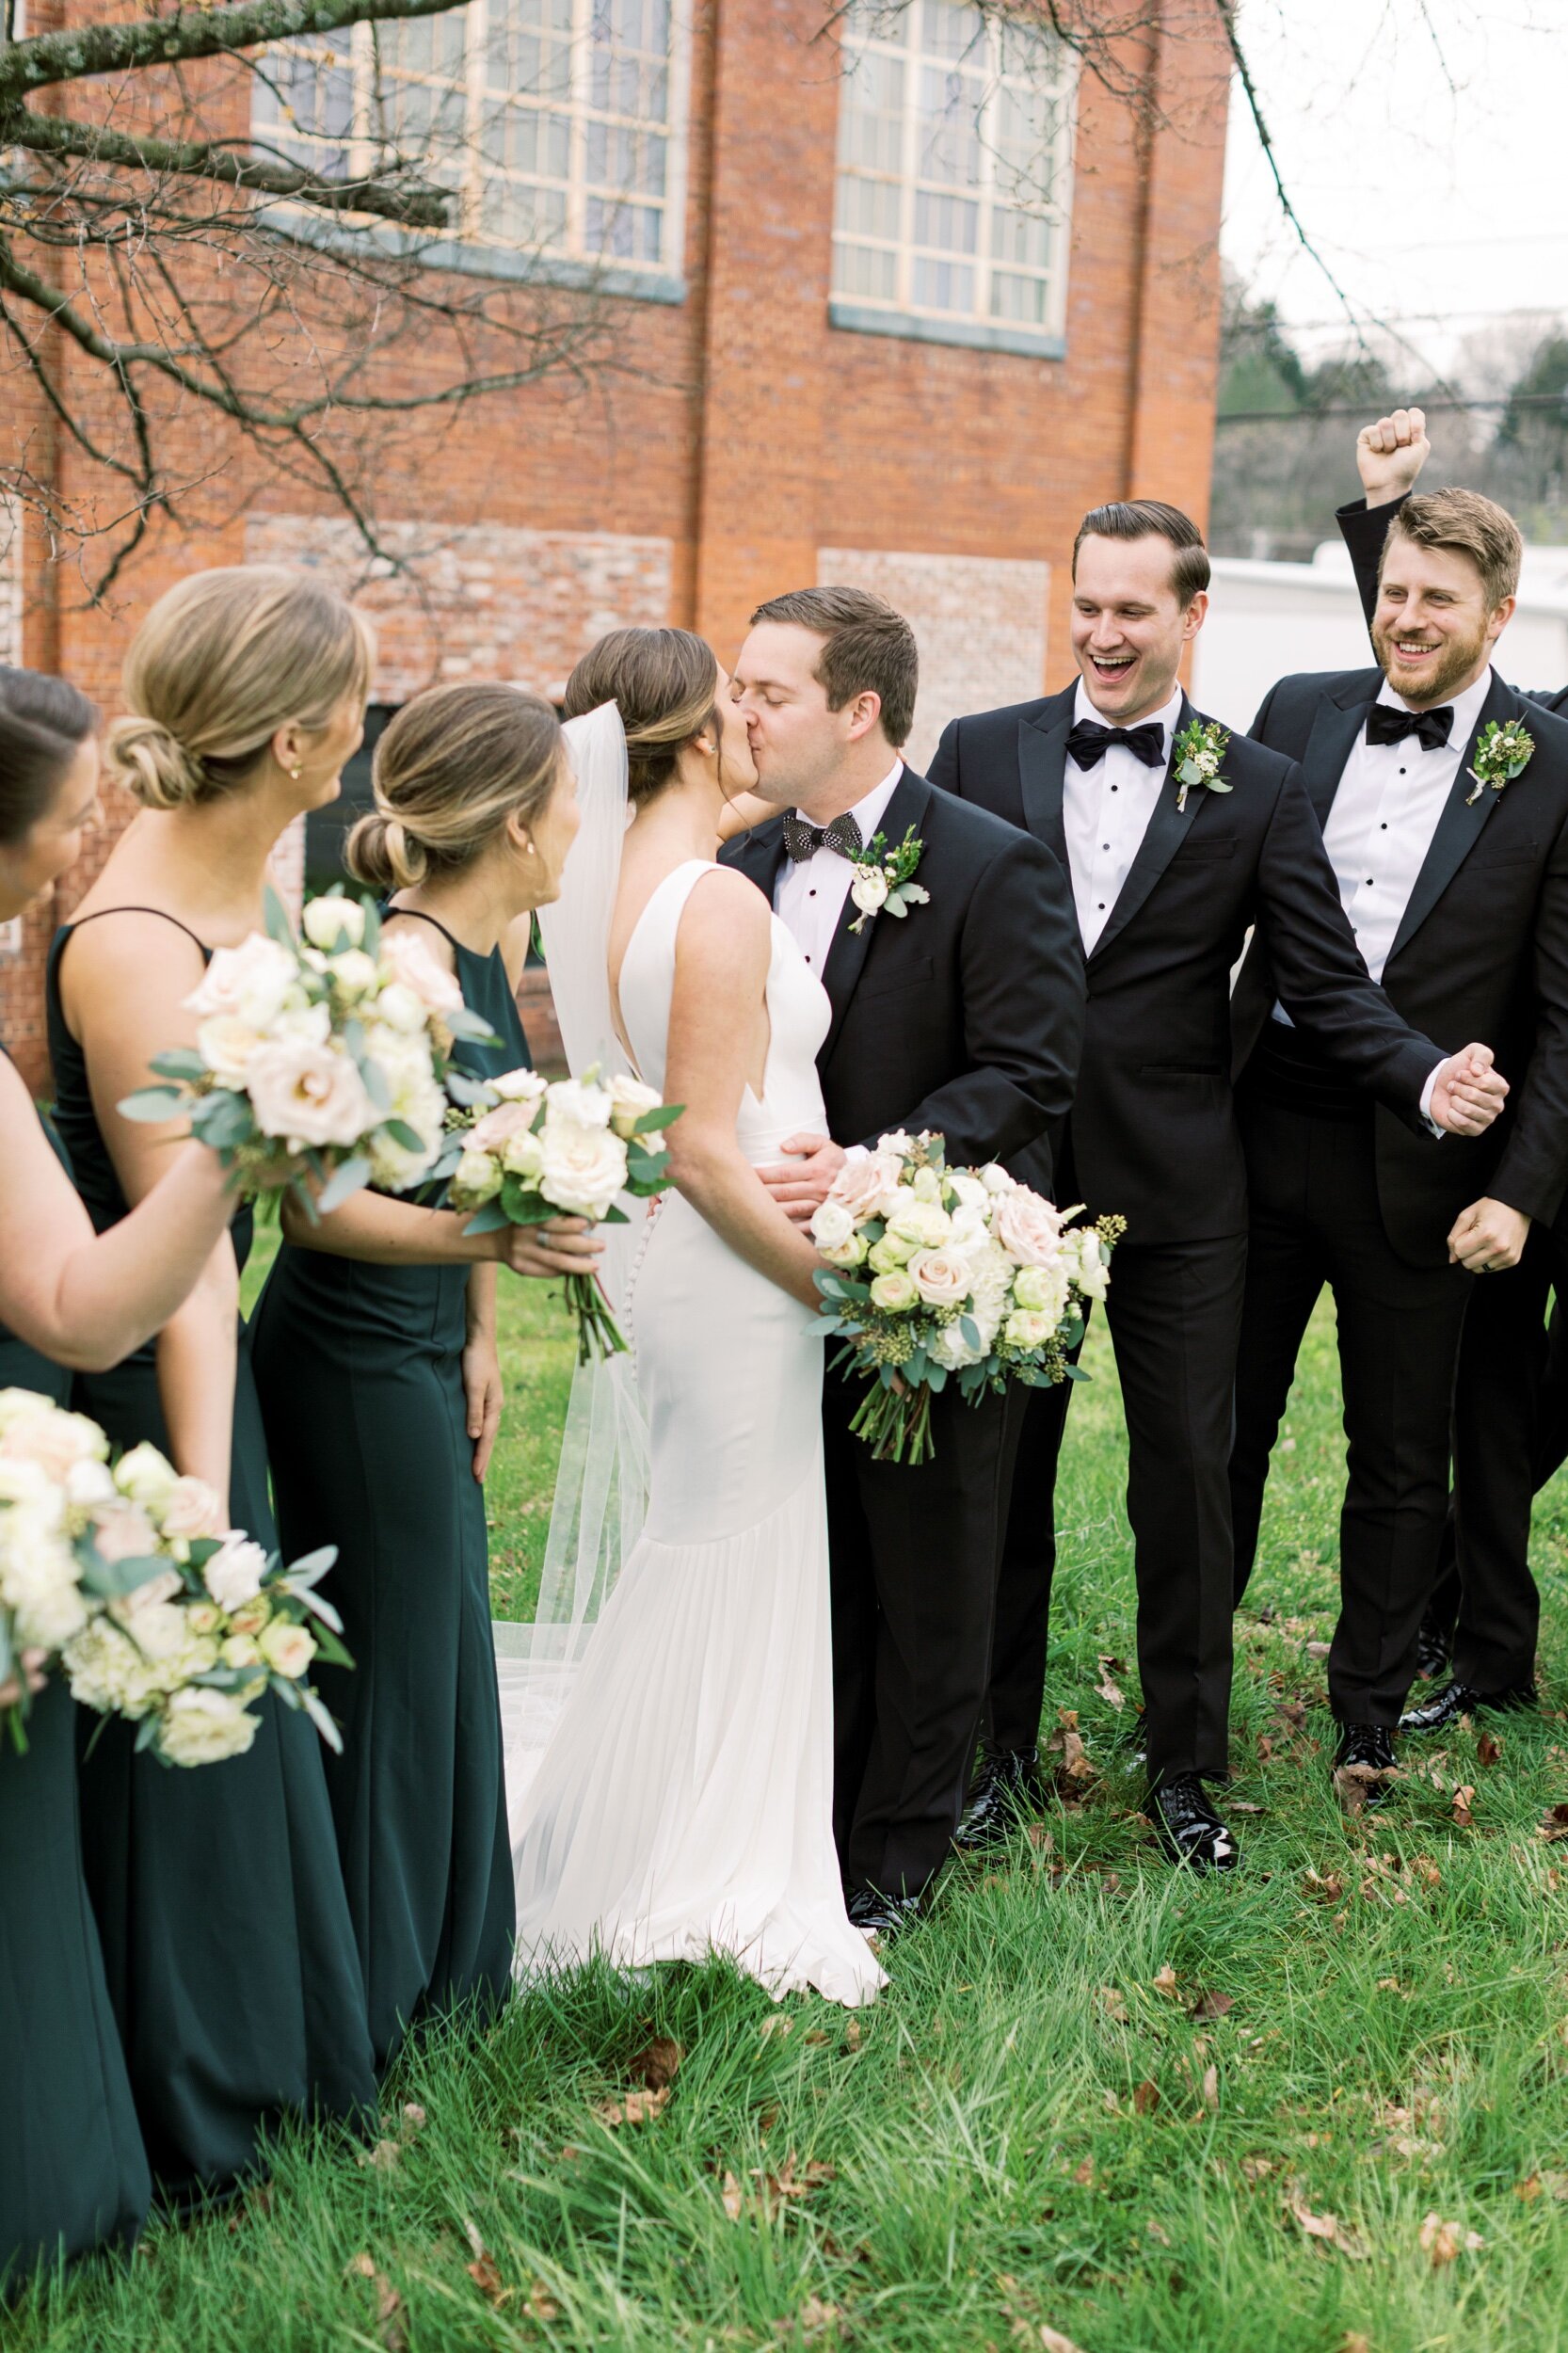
[189, 33]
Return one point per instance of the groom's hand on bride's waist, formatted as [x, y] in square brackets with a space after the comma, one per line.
[800, 1183]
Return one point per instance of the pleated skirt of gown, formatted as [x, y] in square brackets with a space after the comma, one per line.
[72, 2170]
[219, 1896]
[360, 1370]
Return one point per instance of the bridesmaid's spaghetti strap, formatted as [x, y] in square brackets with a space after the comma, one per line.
[68, 928]
[417, 914]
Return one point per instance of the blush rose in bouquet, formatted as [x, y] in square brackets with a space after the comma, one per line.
[128, 1578]
[320, 1063]
[524, 1150]
[936, 1275]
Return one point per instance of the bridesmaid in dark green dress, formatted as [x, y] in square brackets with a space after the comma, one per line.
[220, 1898]
[375, 1357]
[73, 2169]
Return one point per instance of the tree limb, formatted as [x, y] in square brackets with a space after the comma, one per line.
[189, 33]
[418, 206]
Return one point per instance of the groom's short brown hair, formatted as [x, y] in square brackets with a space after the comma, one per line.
[1463, 523]
[870, 649]
[1145, 519]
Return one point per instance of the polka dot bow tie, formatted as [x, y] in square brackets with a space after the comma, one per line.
[802, 839]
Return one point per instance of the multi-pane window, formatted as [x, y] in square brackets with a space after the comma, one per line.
[955, 154]
[556, 123]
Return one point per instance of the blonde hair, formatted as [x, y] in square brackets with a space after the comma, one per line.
[450, 769]
[664, 681]
[223, 661]
[1462, 522]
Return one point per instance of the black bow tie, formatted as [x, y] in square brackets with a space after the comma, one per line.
[1386, 723]
[1090, 742]
[802, 839]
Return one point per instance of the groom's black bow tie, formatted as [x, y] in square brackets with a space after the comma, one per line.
[802, 839]
[1090, 742]
[1386, 723]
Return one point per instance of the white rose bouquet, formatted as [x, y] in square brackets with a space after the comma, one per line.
[938, 1274]
[128, 1578]
[524, 1150]
[322, 1058]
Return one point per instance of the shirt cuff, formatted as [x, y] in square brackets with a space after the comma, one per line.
[1426, 1101]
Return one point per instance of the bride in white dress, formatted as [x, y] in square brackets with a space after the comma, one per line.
[669, 1763]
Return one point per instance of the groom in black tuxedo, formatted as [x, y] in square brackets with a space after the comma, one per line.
[1455, 875]
[1510, 1389]
[1166, 876]
[964, 1016]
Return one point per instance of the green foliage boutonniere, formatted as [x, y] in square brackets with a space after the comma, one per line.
[885, 879]
[1502, 753]
[1199, 753]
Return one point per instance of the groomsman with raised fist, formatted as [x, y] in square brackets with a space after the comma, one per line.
[1510, 1390]
[1443, 796]
[1175, 839]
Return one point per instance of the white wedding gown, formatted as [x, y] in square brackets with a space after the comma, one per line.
[681, 1806]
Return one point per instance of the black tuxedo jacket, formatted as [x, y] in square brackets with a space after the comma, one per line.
[1483, 952]
[1363, 529]
[965, 1016]
[1153, 1129]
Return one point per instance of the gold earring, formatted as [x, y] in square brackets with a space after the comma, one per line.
[298, 772]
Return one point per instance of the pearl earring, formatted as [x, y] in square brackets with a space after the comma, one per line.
[297, 772]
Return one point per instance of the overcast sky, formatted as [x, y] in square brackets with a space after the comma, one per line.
[1443, 207]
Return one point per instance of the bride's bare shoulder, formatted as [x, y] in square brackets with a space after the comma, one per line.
[726, 917]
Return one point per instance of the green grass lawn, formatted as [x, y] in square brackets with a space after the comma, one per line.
[1322, 2107]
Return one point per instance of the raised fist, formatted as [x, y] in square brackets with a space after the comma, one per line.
[1390, 454]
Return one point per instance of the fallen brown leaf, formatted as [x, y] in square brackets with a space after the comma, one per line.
[1553, 1824]
[1212, 2005]
[851, 2035]
[1530, 2188]
[655, 2064]
[1444, 2241]
[1083, 2173]
[411, 2121]
[385, 2154]
[1319, 1650]
[1488, 1748]
[814, 2320]
[389, 2303]
[1354, 2341]
[1108, 1691]
[1146, 2098]
[1328, 2228]
[1460, 1803]
[778, 2023]
[360, 2267]
[1324, 1888]
[1164, 1981]
[734, 2197]
[1257, 2169]
[1112, 2001]
[1209, 2090]
[1052, 2341]
[638, 2108]
[541, 2305]
[1242, 1805]
[1075, 1763]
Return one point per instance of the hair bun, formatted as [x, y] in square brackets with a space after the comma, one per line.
[153, 763]
[382, 854]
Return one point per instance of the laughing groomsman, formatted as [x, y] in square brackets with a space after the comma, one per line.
[1443, 796]
[1510, 1390]
[1175, 840]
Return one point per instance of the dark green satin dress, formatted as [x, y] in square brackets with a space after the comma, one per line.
[359, 1370]
[217, 1889]
[73, 2169]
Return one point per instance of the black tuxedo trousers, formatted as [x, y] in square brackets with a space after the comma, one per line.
[1316, 1220]
[1509, 1434]
[1175, 1313]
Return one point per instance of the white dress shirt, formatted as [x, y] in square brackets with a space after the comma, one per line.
[1380, 828]
[809, 897]
[1105, 814]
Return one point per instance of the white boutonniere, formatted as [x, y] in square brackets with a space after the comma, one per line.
[1502, 753]
[1199, 753]
[884, 882]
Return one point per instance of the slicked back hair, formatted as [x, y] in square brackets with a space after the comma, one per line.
[869, 649]
[1145, 519]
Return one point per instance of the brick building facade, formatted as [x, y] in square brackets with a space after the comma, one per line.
[772, 422]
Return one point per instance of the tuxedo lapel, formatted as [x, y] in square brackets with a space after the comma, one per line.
[759, 855]
[847, 956]
[1459, 827]
[1337, 725]
[1042, 773]
[1162, 837]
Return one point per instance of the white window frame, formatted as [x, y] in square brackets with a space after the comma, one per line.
[899, 37]
[467, 244]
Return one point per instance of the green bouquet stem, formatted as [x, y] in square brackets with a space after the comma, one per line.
[598, 1332]
[896, 1425]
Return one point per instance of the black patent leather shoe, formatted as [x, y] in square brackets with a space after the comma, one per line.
[1004, 1793]
[1434, 1655]
[1188, 1827]
[1364, 1766]
[881, 1918]
[1458, 1699]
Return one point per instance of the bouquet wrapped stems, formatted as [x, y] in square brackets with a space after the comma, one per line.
[895, 1421]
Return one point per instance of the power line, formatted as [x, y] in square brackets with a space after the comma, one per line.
[1358, 408]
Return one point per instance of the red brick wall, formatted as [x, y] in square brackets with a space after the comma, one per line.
[745, 434]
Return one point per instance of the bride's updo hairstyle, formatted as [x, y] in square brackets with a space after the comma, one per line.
[451, 768]
[222, 662]
[665, 682]
[43, 724]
